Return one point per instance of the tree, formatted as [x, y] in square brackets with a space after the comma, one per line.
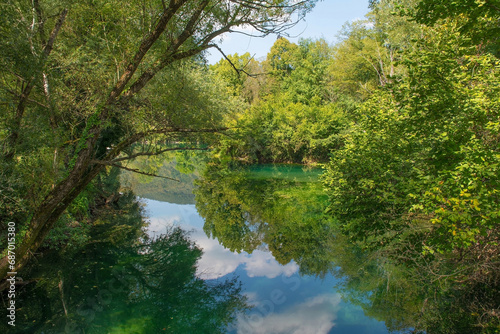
[418, 176]
[294, 120]
[243, 76]
[478, 19]
[82, 82]
[369, 50]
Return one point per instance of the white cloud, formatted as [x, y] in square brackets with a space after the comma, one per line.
[158, 226]
[314, 316]
[216, 260]
[263, 264]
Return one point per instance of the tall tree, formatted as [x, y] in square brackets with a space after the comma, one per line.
[84, 81]
[369, 50]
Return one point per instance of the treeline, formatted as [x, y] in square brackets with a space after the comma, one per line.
[301, 101]
[405, 109]
[289, 114]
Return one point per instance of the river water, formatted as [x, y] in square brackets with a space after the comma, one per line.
[225, 250]
[282, 299]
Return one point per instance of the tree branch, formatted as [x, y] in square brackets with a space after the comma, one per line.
[52, 38]
[134, 170]
[115, 151]
[146, 44]
[238, 70]
[141, 154]
[23, 98]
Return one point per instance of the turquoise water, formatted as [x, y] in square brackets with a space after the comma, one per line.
[296, 173]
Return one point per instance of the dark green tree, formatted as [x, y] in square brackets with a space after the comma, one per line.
[83, 81]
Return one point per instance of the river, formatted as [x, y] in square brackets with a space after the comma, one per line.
[225, 250]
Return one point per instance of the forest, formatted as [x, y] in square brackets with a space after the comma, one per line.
[402, 113]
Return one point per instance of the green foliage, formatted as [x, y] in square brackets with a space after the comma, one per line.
[279, 131]
[299, 72]
[293, 121]
[477, 19]
[67, 232]
[242, 75]
[427, 132]
[369, 50]
[418, 175]
[311, 89]
[188, 96]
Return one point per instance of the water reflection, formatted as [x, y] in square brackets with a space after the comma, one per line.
[283, 301]
[250, 209]
[216, 261]
[125, 282]
[265, 225]
[255, 254]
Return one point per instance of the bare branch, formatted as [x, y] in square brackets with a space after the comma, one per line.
[28, 99]
[115, 151]
[266, 4]
[134, 170]
[238, 70]
[140, 154]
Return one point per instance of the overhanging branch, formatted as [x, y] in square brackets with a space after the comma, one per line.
[115, 151]
[142, 154]
[133, 170]
[238, 70]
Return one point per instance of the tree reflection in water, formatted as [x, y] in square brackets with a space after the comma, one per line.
[251, 209]
[123, 282]
[246, 210]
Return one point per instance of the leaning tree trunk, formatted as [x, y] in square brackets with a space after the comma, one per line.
[54, 204]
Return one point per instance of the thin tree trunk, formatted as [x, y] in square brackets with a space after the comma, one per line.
[26, 91]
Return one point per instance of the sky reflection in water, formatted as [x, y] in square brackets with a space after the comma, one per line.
[284, 301]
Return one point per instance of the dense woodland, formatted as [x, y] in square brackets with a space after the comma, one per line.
[402, 112]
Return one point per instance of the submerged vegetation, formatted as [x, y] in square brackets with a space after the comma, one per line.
[402, 113]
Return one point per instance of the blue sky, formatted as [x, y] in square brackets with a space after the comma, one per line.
[325, 21]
